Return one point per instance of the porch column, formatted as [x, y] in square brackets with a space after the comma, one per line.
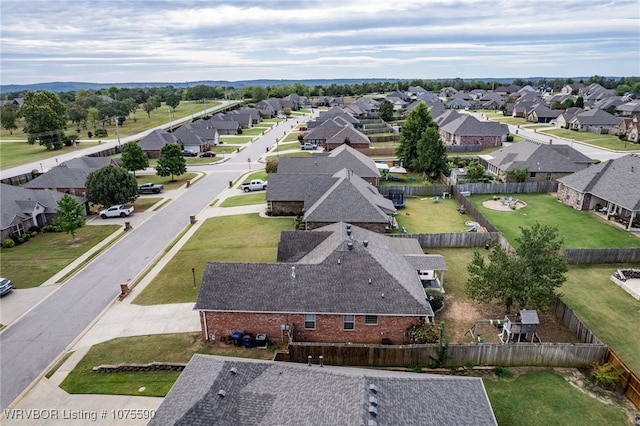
[633, 216]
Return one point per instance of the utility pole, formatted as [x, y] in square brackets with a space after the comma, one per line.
[118, 131]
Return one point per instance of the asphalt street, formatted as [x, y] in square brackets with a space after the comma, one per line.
[34, 341]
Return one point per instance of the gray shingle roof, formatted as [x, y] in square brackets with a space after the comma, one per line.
[539, 157]
[19, 201]
[322, 284]
[467, 125]
[155, 140]
[617, 181]
[596, 117]
[270, 393]
[343, 157]
[354, 136]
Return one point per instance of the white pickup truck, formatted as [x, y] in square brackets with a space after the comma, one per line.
[254, 185]
[116, 211]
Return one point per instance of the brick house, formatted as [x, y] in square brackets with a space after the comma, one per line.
[468, 130]
[544, 162]
[152, 143]
[611, 188]
[339, 283]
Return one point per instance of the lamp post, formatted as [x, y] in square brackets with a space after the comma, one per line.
[193, 271]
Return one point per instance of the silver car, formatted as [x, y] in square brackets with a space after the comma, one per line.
[5, 286]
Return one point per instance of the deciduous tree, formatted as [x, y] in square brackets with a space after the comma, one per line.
[133, 157]
[527, 278]
[70, 215]
[171, 162]
[9, 118]
[385, 110]
[45, 119]
[111, 185]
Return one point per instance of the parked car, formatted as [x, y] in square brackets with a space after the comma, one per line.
[303, 128]
[308, 146]
[189, 153]
[150, 188]
[282, 116]
[208, 154]
[116, 211]
[5, 286]
[254, 185]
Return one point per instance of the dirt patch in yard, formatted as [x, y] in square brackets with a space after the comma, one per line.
[504, 204]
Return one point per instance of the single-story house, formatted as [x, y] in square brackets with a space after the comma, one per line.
[544, 162]
[468, 130]
[337, 284]
[347, 136]
[152, 143]
[196, 138]
[216, 390]
[595, 121]
[21, 209]
[611, 187]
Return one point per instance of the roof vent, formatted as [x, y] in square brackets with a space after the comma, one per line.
[373, 400]
[373, 388]
[233, 370]
[222, 393]
[350, 246]
[372, 423]
[365, 243]
[349, 232]
[348, 227]
[293, 272]
[338, 261]
[373, 410]
[369, 281]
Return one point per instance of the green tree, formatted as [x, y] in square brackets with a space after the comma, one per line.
[385, 110]
[70, 215]
[172, 100]
[111, 185]
[45, 119]
[415, 126]
[171, 162]
[259, 93]
[133, 157]
[579, 102]
[475, 171]
[527, 278]
[9, 118]
[148, 107]
[517, 175]
[432, 154]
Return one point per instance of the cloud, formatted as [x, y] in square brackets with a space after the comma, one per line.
[125, 41]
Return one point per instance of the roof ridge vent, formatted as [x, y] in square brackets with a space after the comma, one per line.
[373, 400]
[373, 388]
[350, 245]
[222, 393]
[373, 410]
[233, 370]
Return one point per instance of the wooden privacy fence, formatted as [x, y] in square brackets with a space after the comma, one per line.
[627, 380]
[573, 323]
[459, 239]
[508, 188]
[415, 191]
[508, 355]
[608, 255]
[464, 148]
[472, 210]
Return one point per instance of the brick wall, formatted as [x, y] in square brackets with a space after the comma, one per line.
[329, 328]
[286, 207]
[570, 197]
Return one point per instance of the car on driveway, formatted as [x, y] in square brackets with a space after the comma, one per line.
[116, 211]
[308, 146]
[5, 286]
[189, 153]
[208, 154]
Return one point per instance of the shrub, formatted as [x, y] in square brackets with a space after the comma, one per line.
[509, 138]
[435, 299]
[51, 228]
[605, 375]
[422, 333]
[101, 133]
[503, 372]
[8, 243]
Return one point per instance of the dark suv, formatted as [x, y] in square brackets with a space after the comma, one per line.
[189, 153]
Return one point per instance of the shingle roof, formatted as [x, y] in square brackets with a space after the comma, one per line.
[340, 158]
[354, 136]
[596, 117]
[467, 125]
[331, 278]
[270, 393]
[19, 201]
[617, 181]
[155, 140]
[539, 157]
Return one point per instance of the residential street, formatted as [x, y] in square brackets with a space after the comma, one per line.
[30, 344]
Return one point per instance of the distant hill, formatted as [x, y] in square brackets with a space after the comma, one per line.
[72, 86]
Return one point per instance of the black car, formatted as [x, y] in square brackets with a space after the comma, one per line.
[189, 153]
[208, 154]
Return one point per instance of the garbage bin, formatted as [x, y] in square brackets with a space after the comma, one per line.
[248, 341]
[261, 340]
[237, 338]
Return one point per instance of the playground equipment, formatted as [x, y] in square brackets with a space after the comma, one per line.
[520, 328]
[477, 337]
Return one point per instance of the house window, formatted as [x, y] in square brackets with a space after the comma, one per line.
[348, 322]
[371, 319]
[548, 176]
[532, 174]
[18, 229]
[309, 321]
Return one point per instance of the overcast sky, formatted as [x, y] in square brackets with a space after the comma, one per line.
[113, 41]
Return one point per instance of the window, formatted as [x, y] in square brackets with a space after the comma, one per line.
[371, 319]
[18, 229]
[548, 176]
[348, 322]
[309, 321]
[532, 174]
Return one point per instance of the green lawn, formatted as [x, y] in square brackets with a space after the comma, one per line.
[178, 348]
[285, 146]
[244, 200]
[262, 175]
[235, 140]
[578, 229]
[32, 263]
[602, 141]
[610, 312]
[166, 180]
[242, 238]
[508, 119]
[13, 154]
[546, 398]
[423, 216]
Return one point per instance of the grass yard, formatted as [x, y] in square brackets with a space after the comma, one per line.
[291, 137]
[13, 154]
[578, 229]
[235, 140]
[244, 200]
[242, 238]
[602, 141]
[262, 175]
[285, 146]
[178, 348]
[32, 263]
[508, 119]
[610, 312]
[423, 216]
[166, 180]
[546, 398]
